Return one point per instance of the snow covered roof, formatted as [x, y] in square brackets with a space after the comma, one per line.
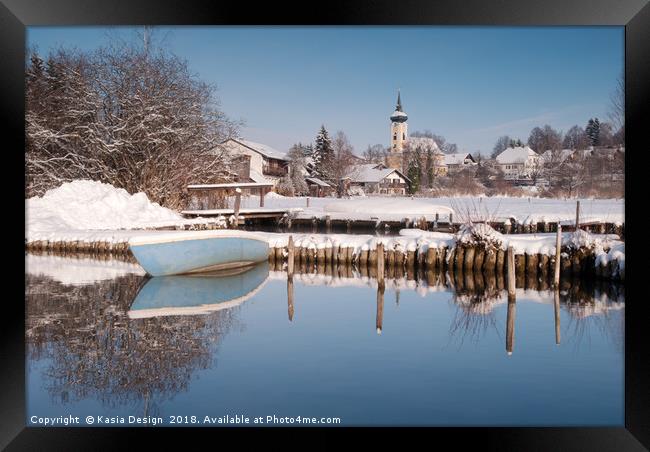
[516, 155]
[317, 181]
[263, 149]
[370, 173]
[458, 158]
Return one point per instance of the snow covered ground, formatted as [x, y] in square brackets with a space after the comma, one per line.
[523, 210]
[95, 212]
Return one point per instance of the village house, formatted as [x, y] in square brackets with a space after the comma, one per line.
[458, 161]
[519, 163]
[375, 178]
[265, 164]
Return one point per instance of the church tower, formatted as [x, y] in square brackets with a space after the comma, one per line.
[398, 135]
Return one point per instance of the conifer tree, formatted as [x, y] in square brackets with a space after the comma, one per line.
[322, 151]
[593, 131]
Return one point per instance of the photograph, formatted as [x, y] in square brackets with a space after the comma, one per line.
[325, 226]
[374, 216]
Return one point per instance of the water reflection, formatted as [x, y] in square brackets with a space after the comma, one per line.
[134, 341]
[197, 294]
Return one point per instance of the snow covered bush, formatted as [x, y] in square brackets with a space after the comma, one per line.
[480, 234]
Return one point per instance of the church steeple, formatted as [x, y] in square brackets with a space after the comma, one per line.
[398, 134]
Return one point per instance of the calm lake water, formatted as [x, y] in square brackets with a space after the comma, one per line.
[103, 340]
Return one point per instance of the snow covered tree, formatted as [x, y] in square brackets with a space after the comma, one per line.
[338, 162]
[322, 151]
[413, 173]
[125, 114]
[297, 168]
[593, 131]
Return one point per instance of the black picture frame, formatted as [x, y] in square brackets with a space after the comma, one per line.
[16, 15]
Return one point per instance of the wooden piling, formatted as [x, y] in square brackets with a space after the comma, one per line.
[380, 305]
[479, 258]
[468, 259]
[380, 262]
[556, 308]
[290, 296]
[577, 215]
[460, 254]
[290, 256]
[510, 325]
[490, 261]
[511, 272]
[431, 257]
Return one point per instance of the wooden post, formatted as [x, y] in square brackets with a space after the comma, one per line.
[290, 295]
[328, 224]
[380, 262]
[380, 305]
[261, 196]
[290, 257]
[510, 263]
[556, 305]
[307, 201]
[558, 252]
[237, 201]
[436, 222]
[510, 322]
[577, 215]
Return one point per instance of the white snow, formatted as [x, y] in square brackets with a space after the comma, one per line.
[87, 205]
[493, 208]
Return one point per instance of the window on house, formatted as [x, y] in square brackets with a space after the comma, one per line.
[403, 136]
[395, 137]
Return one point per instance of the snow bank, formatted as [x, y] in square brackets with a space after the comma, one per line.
[91, 205]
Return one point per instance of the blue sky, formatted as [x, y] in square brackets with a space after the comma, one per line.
[469, 84]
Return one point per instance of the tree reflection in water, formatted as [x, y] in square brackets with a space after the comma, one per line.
[95, 350]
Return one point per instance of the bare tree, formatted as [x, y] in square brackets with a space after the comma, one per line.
[617, 105]
[375, 154]
[575, 138]
[545, 138]
[501, 145]
[127, 114]
[339, 163]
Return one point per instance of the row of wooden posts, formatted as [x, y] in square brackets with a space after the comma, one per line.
[467, 258]
[381, 287]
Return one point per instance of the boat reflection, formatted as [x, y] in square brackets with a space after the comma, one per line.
[198, 294]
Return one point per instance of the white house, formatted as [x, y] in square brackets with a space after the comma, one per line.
[459, 161]
[377, 178]
[266, 164]
[518, 162]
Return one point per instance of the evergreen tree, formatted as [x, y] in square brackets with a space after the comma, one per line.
[413, 173]
[593, 131]
[322, 152]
